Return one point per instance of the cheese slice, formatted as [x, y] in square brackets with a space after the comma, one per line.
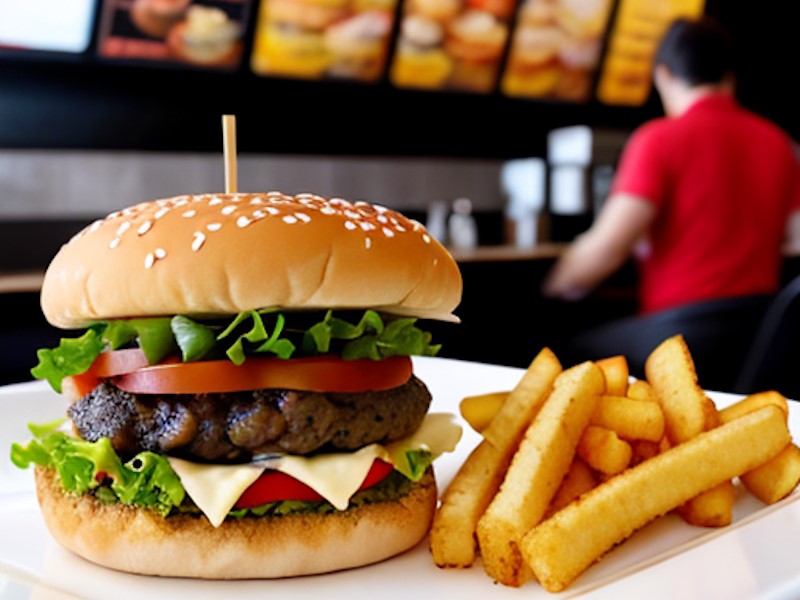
[202, 483]
[336, 477]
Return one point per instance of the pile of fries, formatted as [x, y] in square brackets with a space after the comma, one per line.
[574, 461]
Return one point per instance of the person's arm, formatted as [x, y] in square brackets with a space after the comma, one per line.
[603, 249]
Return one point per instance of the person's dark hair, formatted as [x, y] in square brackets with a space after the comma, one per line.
[696, 51]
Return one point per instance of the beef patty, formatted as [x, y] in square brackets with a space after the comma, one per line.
[235, 426]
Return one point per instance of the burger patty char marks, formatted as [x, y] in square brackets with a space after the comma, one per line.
[235, 426]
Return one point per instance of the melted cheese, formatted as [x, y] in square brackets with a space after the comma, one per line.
[335, 477]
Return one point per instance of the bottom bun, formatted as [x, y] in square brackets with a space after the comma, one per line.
[141, 541]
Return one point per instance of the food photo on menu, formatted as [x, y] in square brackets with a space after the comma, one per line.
[204, 34]
[451, 44]
[555, 49]
[319, 39]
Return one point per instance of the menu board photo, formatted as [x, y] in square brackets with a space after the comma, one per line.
[451, 44]
[627, 75]
[316, 39]
[46, 25]
[206, 34]
[555, 49]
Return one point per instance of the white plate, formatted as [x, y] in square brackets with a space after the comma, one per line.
[755, 557]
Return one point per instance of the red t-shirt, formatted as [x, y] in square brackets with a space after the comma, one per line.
[724, 181]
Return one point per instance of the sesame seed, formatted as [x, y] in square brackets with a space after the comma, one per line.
[379, 208]
[388, 232]
[149, 260]
[160, 253]
[426, 238]
[272, 210]
[198, 240]
[161, 212]
[435, 261]
[114, 243]
[259, 214]
[144, 227]
[367, 243]
[352, 214]
[366, 225]
[214, 226]
[257, 201]
[400, 228]
[290, 219]
[189, 213]
[350, 225]
[214, 201]
[123, 228]
[228, 209]
[303, 217]
[243, 221]
[95, 226]
[328, 210]
[382, 219]
[113, 215]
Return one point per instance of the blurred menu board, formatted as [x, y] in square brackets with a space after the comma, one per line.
[51, 25]
[315, 39]
[626, 77]
[204, 33]
[555, 49]
[451, 44]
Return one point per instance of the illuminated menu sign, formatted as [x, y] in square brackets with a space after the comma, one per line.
[626, 77]
[451, 44]
[203, 34]
[315, 39]
[51, 25]
[555, 49]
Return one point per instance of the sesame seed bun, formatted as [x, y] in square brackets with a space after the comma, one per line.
[219, 254]
[141, 541]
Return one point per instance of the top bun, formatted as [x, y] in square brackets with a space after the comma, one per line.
[219, 254]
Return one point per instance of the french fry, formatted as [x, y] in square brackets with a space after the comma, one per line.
[753, 402]
[479, 411]
[524, 401]
[630, 419]
[452, 538]
[559, 549]
[578, 480]
[644, 450]
[687, 413]
[603, 450]
[775, 479]
[670, 370]
[536, 470]
[616, 372]
[642, 390]
[712, 508]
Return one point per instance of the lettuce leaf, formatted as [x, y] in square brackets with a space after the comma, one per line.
[147, 480]
[250, 333]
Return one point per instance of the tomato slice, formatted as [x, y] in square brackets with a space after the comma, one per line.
[313, 373]
[274, 486]
[118, 362]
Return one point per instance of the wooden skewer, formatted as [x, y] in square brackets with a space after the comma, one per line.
[229, 150]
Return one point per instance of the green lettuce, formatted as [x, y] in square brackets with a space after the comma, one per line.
[148, 481]
[250, 333]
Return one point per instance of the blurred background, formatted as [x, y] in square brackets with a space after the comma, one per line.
[498, 123]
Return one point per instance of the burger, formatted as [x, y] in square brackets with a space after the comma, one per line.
[242, 402]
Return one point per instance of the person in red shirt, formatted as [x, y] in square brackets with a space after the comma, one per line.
[701, 197]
